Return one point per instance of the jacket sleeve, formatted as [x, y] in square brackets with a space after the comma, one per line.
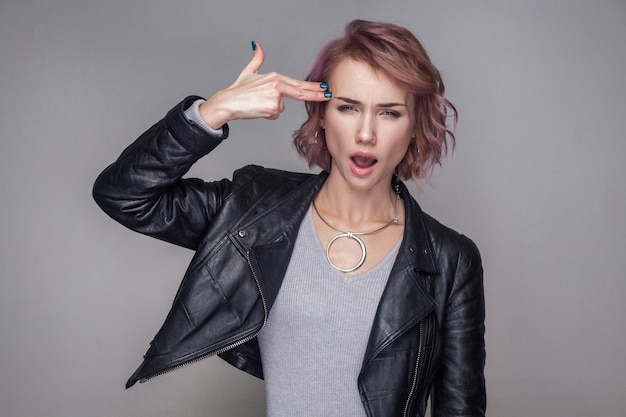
[459, 388]
[144, 190]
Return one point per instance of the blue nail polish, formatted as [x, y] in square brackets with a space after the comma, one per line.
[324, 86]
[328, 94]
[253, 45]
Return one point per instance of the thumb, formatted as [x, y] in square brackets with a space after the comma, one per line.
[257, 59]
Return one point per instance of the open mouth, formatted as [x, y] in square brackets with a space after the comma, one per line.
[362, 161]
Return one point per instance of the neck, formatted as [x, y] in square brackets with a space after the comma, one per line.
[356, 209]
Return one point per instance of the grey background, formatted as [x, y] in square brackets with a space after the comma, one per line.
[537, 180]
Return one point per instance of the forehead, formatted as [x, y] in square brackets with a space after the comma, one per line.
[358, 80]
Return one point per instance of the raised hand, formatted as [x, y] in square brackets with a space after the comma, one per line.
[255, 95]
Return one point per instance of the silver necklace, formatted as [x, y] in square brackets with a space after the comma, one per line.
[354, 235]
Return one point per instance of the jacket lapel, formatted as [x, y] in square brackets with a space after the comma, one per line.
[405, 301]
[283, 216]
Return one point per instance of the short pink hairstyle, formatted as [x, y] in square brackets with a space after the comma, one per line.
[397, 53]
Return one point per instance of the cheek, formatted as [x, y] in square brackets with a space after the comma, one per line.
[400, 148]
[333, 121]
[399, 136]
[336, 131]
[400, 154]
[334, 144]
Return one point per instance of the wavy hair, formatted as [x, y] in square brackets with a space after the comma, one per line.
[396, 52]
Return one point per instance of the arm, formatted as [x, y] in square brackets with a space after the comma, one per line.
[459, 388]
[144, 189]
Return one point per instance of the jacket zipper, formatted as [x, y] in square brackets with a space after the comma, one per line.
[265, 312]
[416, 373]
[234, 344]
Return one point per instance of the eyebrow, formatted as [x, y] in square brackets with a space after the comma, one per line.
[357, 102]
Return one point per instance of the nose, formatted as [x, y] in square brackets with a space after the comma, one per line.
[366, 133]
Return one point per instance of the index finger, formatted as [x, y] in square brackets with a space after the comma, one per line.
[304, 90]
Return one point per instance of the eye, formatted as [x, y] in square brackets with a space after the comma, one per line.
[346, 108]
[390, 113]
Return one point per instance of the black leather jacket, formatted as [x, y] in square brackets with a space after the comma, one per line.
[429, 327]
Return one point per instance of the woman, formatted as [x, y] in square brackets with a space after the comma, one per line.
[335, 288]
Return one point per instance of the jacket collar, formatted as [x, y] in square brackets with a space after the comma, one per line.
[415, 251]
[416, 245]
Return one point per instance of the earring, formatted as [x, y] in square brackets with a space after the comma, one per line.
[417, 146]
[316, 136]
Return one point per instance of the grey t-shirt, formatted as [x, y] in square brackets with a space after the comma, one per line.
[313, 344]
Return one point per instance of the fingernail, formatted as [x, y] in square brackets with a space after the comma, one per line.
[253, 45]
[328, 94]
[324, 86]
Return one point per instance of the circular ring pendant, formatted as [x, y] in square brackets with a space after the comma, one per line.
[348, 235]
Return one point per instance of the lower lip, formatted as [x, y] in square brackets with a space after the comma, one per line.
[359, 171]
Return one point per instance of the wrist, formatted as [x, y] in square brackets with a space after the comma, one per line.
[214, 115]
[192, 113]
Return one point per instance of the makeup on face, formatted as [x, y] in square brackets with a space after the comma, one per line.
[367, 123]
